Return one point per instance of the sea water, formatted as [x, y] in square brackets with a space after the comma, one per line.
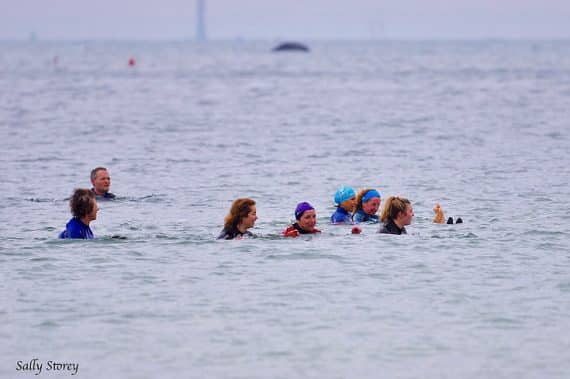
[480, 127]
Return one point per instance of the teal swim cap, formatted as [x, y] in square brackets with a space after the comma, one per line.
[344, 193]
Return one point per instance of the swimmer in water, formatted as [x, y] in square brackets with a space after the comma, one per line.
[345, 199]
[397, 213]
[101, 182]
[367, 204]
[84, 209]
[242, 217]
[306, 220]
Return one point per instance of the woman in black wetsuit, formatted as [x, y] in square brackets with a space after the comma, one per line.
[397, 213]
[242, 216]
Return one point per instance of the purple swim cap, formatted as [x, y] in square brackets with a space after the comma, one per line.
[302, 208]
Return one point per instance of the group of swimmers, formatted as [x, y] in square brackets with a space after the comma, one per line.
[351, 209]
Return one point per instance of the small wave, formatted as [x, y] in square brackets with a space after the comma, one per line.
[40, 159]
[152, 198]
[165, 237]
[43, 200]
[543, 233]
[503, 322]
[42, 259]
[564, 287]
[47, 324]
[306, 256]
[469, 235]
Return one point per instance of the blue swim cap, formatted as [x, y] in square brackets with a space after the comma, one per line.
[370, 194]
[343, 193]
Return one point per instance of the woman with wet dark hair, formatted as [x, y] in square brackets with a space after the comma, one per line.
[84, 209]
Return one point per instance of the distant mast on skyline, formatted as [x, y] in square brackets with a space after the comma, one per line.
[200, 20]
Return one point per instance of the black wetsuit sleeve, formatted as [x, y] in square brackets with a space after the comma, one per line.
[391, 228]
[224, 235]
[228, 234]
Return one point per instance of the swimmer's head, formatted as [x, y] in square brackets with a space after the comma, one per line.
[368, 199]
[302, 208]
[306, 217]
[83, 204]
[343, 194]
[101, 180]
[397, 209]
[242, 210]
[370, 195]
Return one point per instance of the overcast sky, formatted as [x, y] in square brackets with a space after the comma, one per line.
[286, 19]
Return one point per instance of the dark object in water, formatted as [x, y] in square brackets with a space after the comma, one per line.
[291, 46]
[459, 220]
[450, 221]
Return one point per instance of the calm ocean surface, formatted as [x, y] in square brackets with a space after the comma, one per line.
[481, 127]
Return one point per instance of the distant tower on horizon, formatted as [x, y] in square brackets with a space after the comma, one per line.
[200, 20]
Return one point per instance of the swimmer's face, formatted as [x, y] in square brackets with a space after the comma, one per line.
[102, 182]
[308, 220]
[350, 204]
[407, 216]
[371, 206]
[93, 214]
[249, 220]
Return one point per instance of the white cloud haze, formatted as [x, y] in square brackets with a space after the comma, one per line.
[303, 19]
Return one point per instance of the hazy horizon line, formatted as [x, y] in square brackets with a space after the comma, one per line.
[277, 40]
